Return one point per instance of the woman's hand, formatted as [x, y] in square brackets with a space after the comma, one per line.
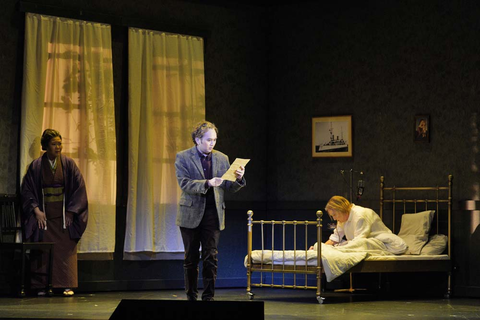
[41, 218]
[68, 218]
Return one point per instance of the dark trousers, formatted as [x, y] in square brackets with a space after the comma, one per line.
[207, 234]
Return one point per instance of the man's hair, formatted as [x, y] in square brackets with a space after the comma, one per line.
[339, 203]
[201, 128]
[48, 135]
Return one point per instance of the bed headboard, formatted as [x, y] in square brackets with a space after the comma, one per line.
[400, 200]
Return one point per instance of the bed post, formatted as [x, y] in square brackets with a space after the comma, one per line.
[249, 256]
[450, 177]
[382, 185]
[319, 256]
[449, 289]
[382, 179]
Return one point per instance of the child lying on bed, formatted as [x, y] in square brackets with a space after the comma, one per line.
[356, 223]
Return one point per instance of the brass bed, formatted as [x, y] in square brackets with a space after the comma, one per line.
[394, 202]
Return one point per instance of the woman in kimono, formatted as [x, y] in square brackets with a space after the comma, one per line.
[55, 209]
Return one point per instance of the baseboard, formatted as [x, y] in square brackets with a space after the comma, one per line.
[154, 284]
[466, 291]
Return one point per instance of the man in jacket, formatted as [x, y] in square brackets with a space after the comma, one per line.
[201, 210]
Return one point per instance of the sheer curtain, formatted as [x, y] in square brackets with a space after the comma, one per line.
[68, 86]
[166, 99]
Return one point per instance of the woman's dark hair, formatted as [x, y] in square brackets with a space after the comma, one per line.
[201, 128]
[48, 135]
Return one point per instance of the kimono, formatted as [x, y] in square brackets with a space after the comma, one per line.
[58, 191]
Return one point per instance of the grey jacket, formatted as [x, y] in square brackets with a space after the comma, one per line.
[191, 179]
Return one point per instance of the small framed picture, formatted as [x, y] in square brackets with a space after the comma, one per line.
[332, 136]
[422, 128]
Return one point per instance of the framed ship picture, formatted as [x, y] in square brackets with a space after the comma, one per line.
[332, 136]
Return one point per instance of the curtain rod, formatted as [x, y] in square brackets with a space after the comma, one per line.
[109, 19]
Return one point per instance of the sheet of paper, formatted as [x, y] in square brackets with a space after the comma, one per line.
[230, 174]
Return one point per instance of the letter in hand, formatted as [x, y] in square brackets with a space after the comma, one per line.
[236, 170]
[215, 182]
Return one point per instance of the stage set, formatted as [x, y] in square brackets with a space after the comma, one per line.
[325, 98]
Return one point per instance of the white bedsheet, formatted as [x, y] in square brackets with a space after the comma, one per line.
[335, 260]
[404, 257]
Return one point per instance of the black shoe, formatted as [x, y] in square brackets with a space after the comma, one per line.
[208, 299]
[191, 298]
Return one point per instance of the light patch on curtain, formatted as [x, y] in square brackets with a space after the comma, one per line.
[166, 99]
[68, 84]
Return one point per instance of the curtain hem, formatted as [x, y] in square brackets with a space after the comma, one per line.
[146, 256]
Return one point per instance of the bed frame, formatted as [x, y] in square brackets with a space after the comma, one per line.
[394, 201]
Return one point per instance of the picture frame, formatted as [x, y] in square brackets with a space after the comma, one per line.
[421, 129]
[332, 136]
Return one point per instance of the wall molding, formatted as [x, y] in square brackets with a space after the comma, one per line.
[153, 284]
[466, 291]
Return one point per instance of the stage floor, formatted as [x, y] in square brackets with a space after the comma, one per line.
[279, 304]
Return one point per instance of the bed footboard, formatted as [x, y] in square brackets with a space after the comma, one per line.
[283, 268]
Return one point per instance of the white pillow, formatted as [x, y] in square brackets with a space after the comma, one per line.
[436, 245]
[414, 230]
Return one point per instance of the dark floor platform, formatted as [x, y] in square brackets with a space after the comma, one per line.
[279, 304]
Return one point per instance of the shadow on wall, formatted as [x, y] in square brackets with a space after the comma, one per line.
[475, 151]
[475, 254]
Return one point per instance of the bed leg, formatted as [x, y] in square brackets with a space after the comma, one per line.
[380, 282]
[448, 294]
[250, 295]
[320, 299]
